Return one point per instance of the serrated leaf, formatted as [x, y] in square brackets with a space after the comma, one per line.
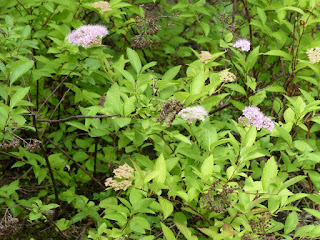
[134, 59]
[161, 168]
[166, 207]
[207, 168]
[20, 70]
[171, 73]
[167, 232]
[270, 171]
[18, 96]
[291, 223]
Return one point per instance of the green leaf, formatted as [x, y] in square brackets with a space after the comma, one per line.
[171, 73]
[20, 70]
[250, 137]
[252, 58]
[198, 83]
[167, 232]
[207, 168]
[160, 167]
[134, 59]
[182, 138]
[185, 231]
[129, 105]
[313, 212]
[270, 171]
[236, 87]
[166, 207]
[262, 15]
[291, 223]
[279, 53]
[18, 96]
[139, 224]
[113, 99]
[3, 68]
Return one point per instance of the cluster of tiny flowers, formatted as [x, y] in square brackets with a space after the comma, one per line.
[314, 55]
[123, 185]
[103, 6]
[242, 45]
[122, 172]
[254, 117]
[227, 76]
[205, 56]
[87, 35]
[193, 113]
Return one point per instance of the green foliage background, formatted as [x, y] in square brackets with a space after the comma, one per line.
[71, 115]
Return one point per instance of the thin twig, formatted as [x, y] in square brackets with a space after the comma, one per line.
[45, 101]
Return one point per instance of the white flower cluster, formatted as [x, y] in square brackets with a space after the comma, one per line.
[122, 172]
[314, 55]
[103, 6]
[205, 56]
[193, 113]
[226, 76]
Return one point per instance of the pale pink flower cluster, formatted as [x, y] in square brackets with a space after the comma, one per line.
[193, 113]
[205, 56]
[254, 117]
[103, 6]
[227, 76]
[242, 45]
[87, 35]
[314, 55]
[122, 172]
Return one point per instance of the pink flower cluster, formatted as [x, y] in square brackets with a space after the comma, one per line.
[87, 35]
[254, 117]
[242, 45]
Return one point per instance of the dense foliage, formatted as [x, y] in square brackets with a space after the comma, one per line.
[186, 119]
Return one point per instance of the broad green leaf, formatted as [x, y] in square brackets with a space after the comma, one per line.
[313, 212]
[270, 171]
[252, 58]
[262, 15]
[279, 53]
[236, 87]
[3, 68]
[167, 232]
[291, 223]
[207, 168]
[161, 168]
[18, 96]
[20, 70]
[134, 59]
[171, 73]
[250, 137]
[185, 231]
[166, 207]
[198, 83]
[113, 99]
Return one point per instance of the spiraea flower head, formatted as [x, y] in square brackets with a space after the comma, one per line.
[226, 76]
[124, 171]
[314, 55]
[193, 113]
[87, 35]
[242, 45]
[254, 117]
[205, 56]
[103, 6]
[122, 185]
